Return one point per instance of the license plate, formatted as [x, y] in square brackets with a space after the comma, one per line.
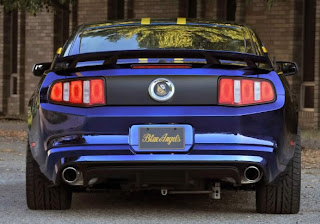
[165, 138]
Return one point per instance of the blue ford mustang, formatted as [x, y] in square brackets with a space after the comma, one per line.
[175, 106]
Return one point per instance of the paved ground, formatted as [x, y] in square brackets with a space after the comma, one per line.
[235, 207]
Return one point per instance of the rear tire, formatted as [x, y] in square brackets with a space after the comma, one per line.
[282, 196]
[40, 192]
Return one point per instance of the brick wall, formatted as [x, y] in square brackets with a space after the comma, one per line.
[241, 11]
[39, 45]
[91, 11]
[211, 10]
[13, 100]
[306, 119]
[156, 8]
[201, 6]
[317, 69]
[281, 30]
[1, 57]
[276, 28]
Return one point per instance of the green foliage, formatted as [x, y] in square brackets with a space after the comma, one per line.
[32, 6]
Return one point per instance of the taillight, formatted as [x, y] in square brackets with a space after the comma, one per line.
[56, 92]
[242, 91]
[97, 91]
[76, 96]
[79, 92]
[226, 89]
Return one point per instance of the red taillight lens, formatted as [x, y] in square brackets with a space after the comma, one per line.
[79, 92]
[241, 91]
[97, 92]
[56, 92]
[226, 91]
[267, 92]
[76, 92]
[247, 91]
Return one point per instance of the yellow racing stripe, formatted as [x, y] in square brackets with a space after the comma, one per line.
[181, 21]
[59, 50]
[178, 60]
[143, 60]
[145, 21]
[264, 49]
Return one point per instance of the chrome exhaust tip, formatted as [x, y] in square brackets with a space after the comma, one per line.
[70, 175]
[252, 174]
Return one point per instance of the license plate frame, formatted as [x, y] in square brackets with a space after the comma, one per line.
[161, 138]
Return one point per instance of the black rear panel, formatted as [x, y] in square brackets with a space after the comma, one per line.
[189, 90]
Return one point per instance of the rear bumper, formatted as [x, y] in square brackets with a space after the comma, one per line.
[204, 161]
[224, 139]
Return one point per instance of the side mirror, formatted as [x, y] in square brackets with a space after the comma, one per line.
[288, 68]
[39, 69]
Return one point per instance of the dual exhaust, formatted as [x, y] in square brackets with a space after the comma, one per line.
[252, 174]
[71, 175]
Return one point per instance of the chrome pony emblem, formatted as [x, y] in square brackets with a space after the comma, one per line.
[161, 89]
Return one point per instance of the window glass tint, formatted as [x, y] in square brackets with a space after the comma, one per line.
[165, 37]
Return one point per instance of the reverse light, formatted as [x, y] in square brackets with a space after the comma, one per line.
[78, 92]
[242, 91]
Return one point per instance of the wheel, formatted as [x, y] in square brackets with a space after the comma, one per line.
[40, 192]
[282, 196]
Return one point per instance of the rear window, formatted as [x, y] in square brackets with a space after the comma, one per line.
[131, 37]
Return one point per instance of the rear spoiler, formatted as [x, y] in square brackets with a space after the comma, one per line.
[109, 58]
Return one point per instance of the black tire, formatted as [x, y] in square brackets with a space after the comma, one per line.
[40, 192]
[282, 196]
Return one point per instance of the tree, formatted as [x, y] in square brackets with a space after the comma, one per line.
[32, 6]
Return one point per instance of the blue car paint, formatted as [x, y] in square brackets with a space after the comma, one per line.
[240, 134]
[63, 135]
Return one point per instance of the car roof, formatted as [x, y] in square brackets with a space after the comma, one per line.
[150, 21]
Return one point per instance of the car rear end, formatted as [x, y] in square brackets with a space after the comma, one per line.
[175, 120]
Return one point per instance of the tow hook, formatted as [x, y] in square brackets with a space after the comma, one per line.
[216, 191]
[164, 191]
